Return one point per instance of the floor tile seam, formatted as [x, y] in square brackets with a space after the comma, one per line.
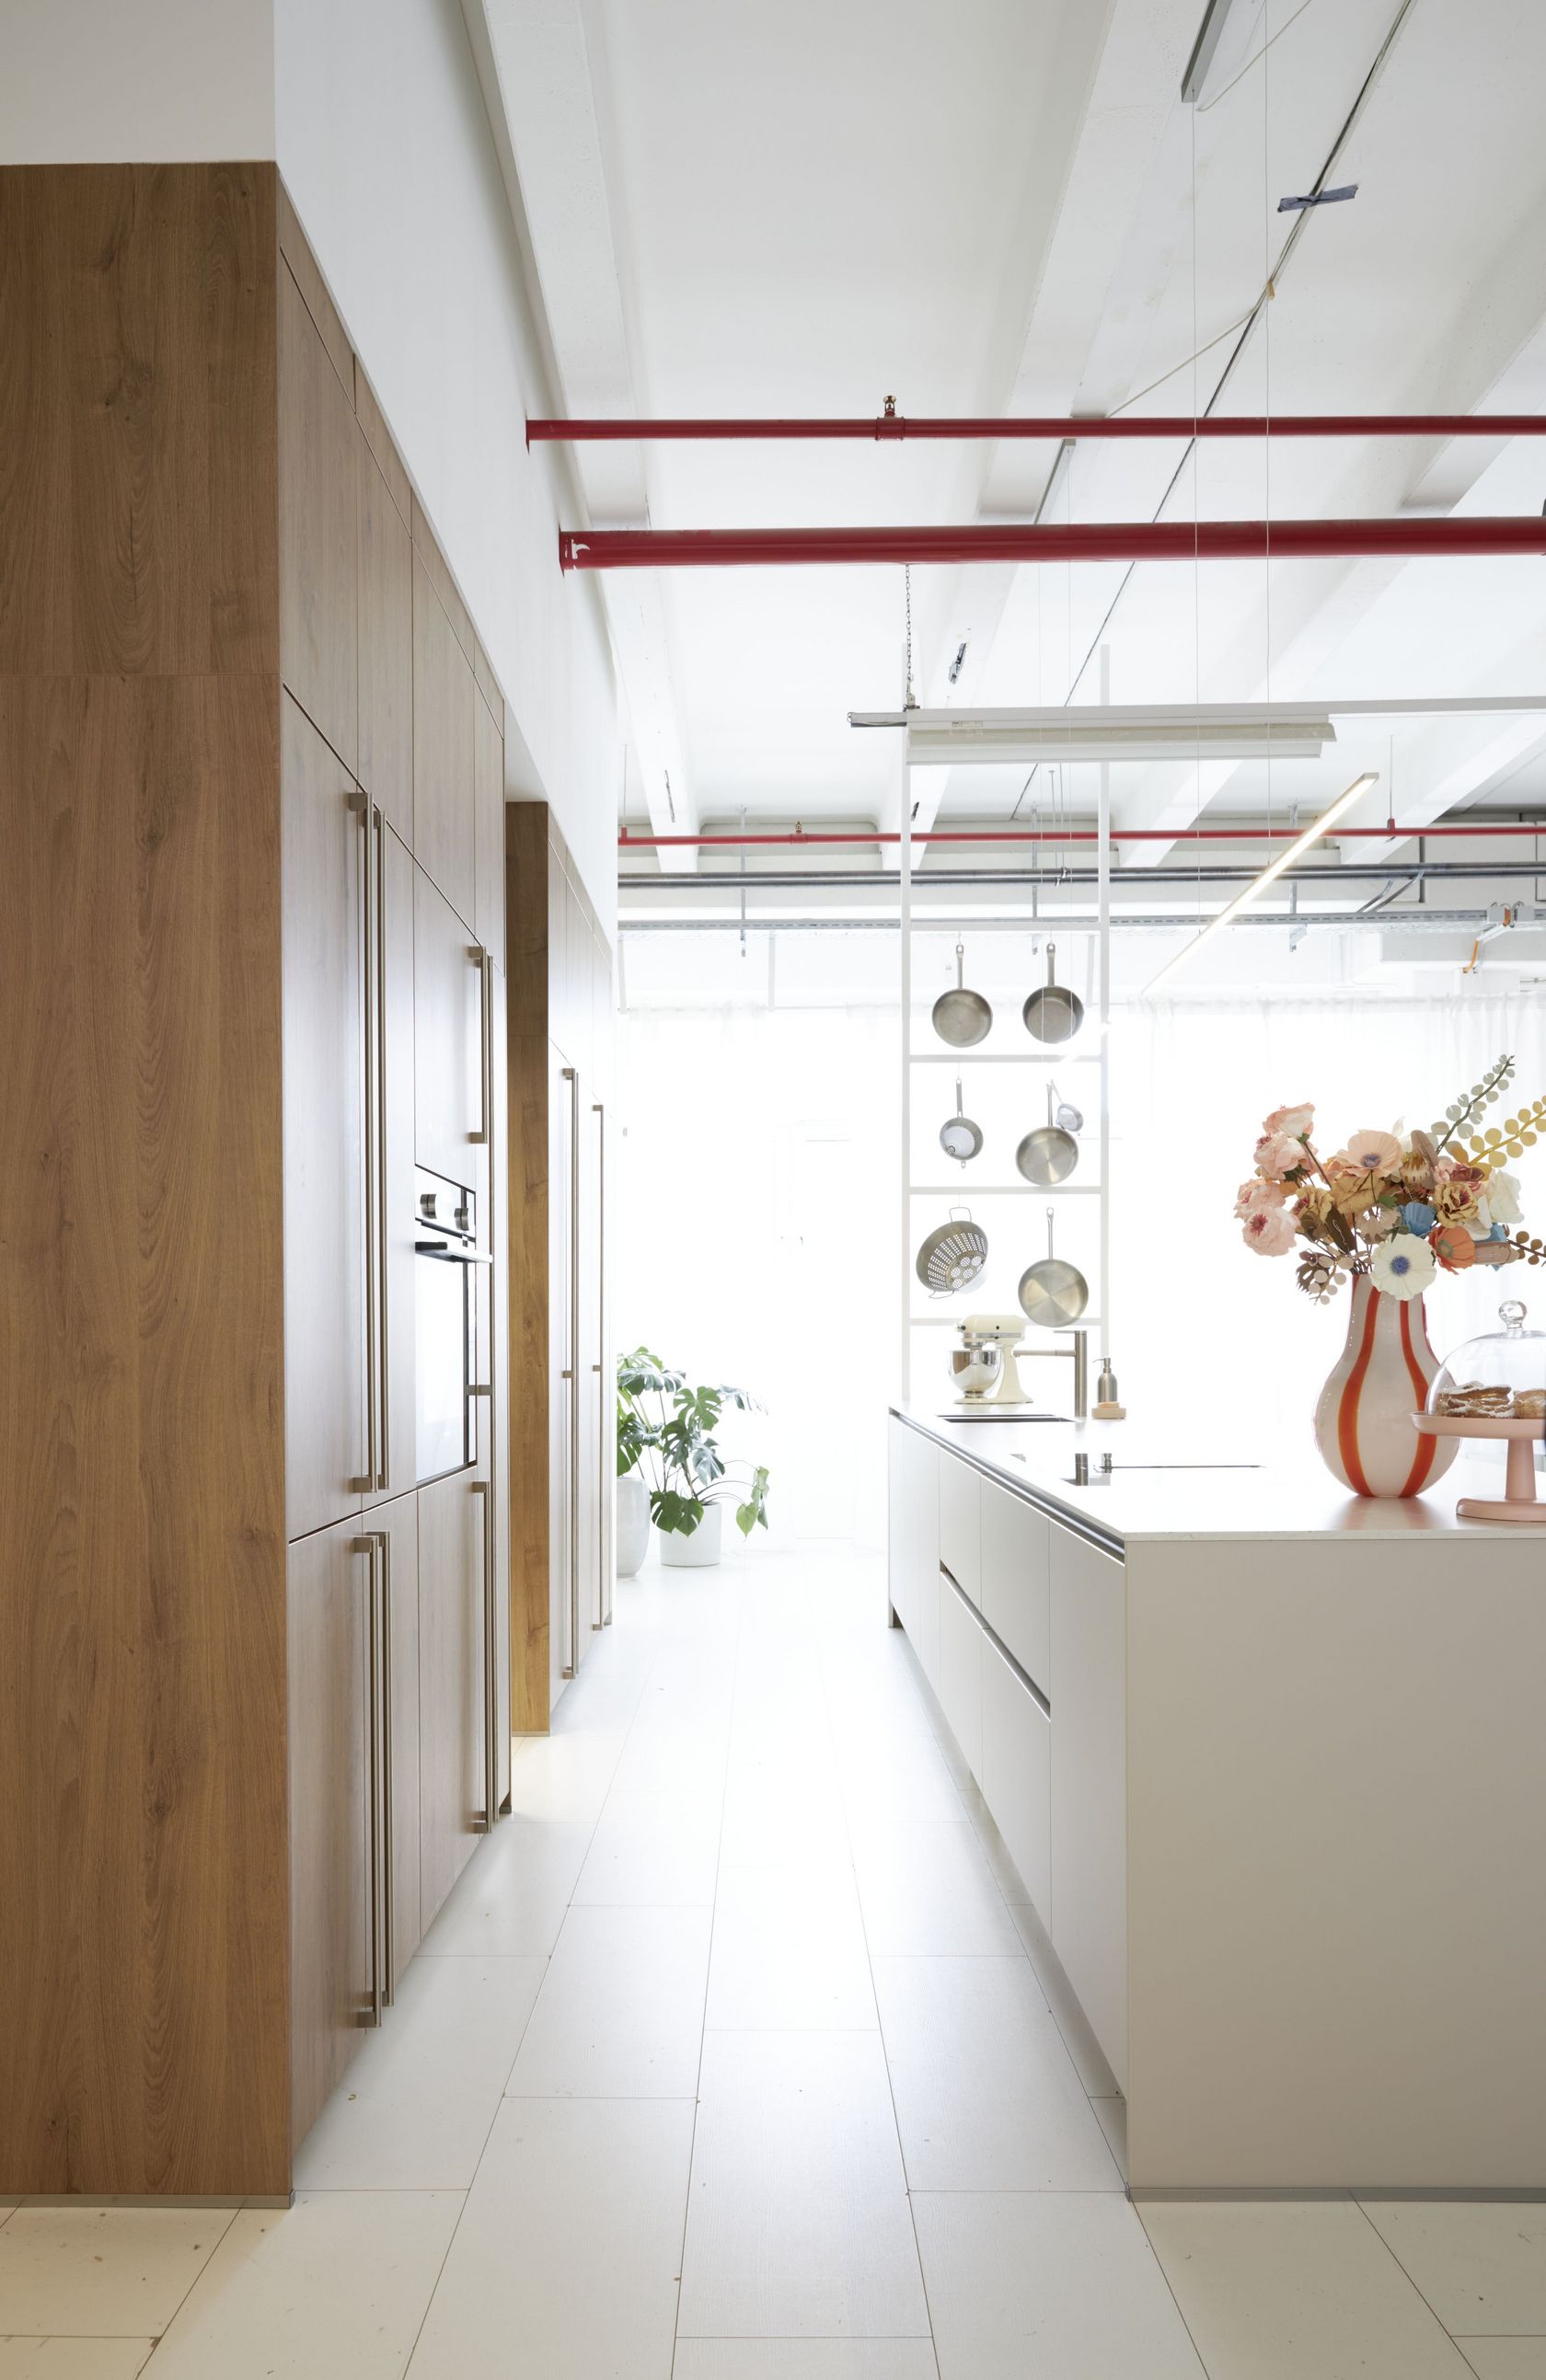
[477, 2168]
[708, 1972]
[159, 2334]
[891, 2087]
[1410, 2281]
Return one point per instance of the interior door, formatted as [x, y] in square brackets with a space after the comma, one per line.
[331, 1950]
[323, 849]
[453, 1731]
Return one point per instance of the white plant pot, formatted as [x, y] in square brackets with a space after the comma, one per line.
[633, 1524]
[701, 1551]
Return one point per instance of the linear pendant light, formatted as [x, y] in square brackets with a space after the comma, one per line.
[1269, 875]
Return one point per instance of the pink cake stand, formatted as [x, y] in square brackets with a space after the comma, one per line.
[1520, 1502]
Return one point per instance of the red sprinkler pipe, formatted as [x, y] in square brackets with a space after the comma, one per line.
[1220, 540]
[896, 427]
[626, 842]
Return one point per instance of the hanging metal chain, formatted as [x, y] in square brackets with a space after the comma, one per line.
[909, 698]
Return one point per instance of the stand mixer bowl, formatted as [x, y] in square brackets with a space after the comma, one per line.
[974, 1367]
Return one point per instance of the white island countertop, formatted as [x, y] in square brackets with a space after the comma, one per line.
[1193, 1479]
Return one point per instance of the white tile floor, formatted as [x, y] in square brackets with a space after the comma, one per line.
[735, 2056]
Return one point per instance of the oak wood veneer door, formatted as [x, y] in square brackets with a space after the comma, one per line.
[330, 1577]
[453, 1514]
[444, 754]
[318, 499]
[395, 1850]
[399, 1159]
[323, 856]
[489, 832]
[386, 567]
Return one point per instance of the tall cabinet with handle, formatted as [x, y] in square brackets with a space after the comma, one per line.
[561, 1439]
[254, 1653]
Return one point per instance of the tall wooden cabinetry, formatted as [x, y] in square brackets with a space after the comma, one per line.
[561, 1442]
[254, 1671]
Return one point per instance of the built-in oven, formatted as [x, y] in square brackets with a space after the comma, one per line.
[446, 1309]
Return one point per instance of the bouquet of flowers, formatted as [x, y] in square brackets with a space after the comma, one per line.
[1396, 1205]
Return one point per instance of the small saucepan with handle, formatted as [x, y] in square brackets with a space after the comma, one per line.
[1053, 1013]
[960, 1137]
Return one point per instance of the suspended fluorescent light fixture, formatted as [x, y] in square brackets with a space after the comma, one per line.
[1140, 732]
[1253, 892]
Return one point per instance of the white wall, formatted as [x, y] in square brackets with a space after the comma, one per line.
[82, 82]
[374, 111]
[384, 141]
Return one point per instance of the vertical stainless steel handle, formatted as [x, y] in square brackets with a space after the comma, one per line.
[360, 804]
[606, 1453]
[482, 1490]
[387, 1837]
[572, 1077]
[479, 960]
[375, 1712]
[382, 1368]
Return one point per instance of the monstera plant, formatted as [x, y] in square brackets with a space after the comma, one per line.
[665, 1433]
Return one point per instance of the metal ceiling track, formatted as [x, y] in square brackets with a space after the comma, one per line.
[1179, 541]
[1391, 831]
[896, 428]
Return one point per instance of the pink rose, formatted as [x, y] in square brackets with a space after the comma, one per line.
[1294, 1122]
[1256, 1196]
[1279, 1153]
[1270, 1232]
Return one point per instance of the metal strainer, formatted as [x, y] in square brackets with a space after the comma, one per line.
[953, 1255]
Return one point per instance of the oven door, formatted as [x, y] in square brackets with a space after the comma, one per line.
[446, 1306]
[444, 1358]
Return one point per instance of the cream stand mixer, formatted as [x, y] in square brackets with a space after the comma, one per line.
[985, 1367]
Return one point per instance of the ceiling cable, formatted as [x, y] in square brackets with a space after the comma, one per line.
[1203, 106]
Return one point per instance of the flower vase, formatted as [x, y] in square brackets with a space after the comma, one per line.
[1363, 1419]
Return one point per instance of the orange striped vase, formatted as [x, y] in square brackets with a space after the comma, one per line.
[1363, 1421]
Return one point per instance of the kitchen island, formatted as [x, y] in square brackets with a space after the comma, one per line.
[1270, 1761]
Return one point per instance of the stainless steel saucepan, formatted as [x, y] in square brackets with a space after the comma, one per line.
[1052, 1292]
[1048, 1154]
[1053, 1014]
[960, 1137]
[962, 1017]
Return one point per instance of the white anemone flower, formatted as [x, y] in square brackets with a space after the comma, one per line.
[1503, 1198]
[1402, 1265]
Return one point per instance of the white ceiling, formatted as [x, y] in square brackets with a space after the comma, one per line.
[1001, 205]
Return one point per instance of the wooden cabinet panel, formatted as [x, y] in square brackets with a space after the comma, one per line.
[329, 1768]
[1017, 1774]
[489, 832]
[323, 846]
[960, 1679]
[1017, 1586]
[399, 1157]
[399, 1525]
[318, 497]
[445, 761]
[452, 1516]
[385, 766]
[448, 1010]
[961, 1524]
[1089, 1786]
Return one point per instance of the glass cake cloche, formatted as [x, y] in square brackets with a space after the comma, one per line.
[1500, 1377]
